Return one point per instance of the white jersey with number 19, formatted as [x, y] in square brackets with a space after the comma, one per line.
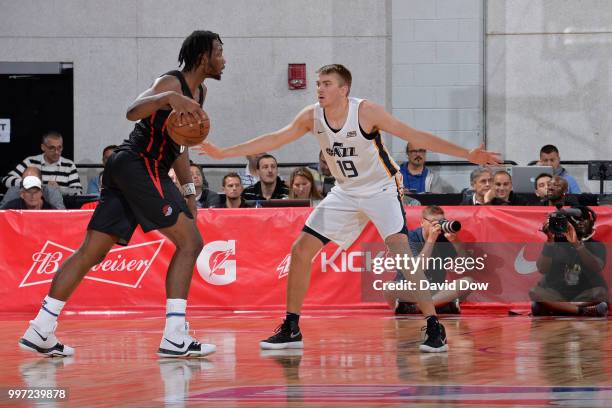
[359, 162]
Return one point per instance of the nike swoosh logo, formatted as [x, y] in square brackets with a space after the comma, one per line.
[320, 132]
[294, 335]
[176, 344]
[40, 335]
[523, 266]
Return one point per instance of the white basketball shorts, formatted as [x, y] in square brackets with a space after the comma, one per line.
[341, 217]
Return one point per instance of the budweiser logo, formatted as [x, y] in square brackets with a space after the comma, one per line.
[123, 266]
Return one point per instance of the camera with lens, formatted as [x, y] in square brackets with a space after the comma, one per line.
[558, 221]
[449, 227]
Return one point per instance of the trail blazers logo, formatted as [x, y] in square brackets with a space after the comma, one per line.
[125, 266]
[338, 150]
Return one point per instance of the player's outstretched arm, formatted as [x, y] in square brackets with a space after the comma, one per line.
[373, 116]
[302, 124]
[165, 92]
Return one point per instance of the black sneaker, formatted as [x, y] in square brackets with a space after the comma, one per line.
[402, 308]
[598, 310]
[287, 335]
[435, 337]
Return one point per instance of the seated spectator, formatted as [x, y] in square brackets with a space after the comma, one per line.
[572, 271]
[270, 185]
[51, 195]
[557, 193]
[57, 171]
[249, 175]
[205, 198]
[93, 187]
[549, 156]
[322, 176]
[541, 185]
[302, 185]
[417, 178]
[31, 196]
[232, 187]
[480, 181]
[501, 193]
[429, 241]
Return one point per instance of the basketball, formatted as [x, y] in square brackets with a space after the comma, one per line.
[187, 135]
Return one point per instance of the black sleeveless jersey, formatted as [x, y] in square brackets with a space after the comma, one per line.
[150, 138]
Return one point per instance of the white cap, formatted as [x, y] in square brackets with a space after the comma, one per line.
[30, 182]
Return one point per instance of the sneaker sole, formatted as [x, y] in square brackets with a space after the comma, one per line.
[280, 346]
[427, 349]
[190, 354]
[31, 347]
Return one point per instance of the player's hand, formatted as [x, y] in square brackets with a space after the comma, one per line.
[211, 150]
[483, 157]
[189, 111]
[434, 233]
[53, 183]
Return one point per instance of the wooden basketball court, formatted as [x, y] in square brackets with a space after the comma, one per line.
[351, 358]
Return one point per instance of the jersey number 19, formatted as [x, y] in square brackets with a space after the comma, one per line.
[347, 167]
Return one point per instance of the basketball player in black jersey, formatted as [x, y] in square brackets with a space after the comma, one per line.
[137, 191]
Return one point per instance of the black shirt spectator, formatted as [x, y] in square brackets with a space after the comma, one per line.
[270, 186]
[568, 275]
[254, 192]
[223, 203]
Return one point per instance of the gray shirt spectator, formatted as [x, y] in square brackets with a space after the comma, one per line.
[30, 196]
[51, 195]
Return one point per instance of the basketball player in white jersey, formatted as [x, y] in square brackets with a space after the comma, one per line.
[367, 189]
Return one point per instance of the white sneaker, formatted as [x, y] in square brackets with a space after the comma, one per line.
[44, 342]
[181, 344]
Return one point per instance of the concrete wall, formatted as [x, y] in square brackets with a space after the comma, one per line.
[437, 69]
[119, 46]
[549, 79]
[437, 81]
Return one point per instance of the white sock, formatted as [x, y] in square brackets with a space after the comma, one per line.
[175, 315]
[48, 313]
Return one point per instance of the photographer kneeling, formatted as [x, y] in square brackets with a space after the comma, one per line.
[571, 263]
[431, 241]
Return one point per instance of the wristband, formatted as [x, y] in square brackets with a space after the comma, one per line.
[188, 189]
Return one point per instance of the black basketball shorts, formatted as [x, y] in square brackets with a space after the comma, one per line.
[136, 192]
